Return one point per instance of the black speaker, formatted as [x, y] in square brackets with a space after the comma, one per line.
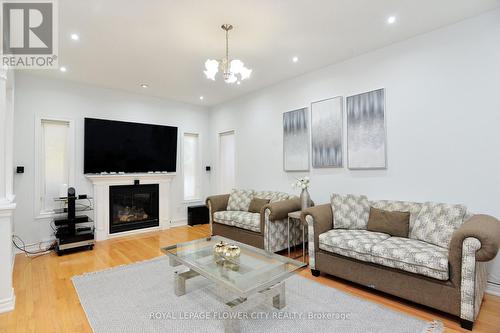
[197, 215]
[71, 210]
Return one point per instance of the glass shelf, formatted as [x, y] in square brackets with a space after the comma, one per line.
[77, 209]
[64, 199]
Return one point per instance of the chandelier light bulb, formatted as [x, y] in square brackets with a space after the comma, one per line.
[236, 66]
[245, 73]
[211, 69]
[231, 78]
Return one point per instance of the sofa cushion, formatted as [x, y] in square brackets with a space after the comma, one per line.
[226, 217]
[351, 243]
[240, 200]
[436, 222]
[350, 211]
[392, 223]
[244, 220]
[399, 206]
[412, 256]
[272, 196]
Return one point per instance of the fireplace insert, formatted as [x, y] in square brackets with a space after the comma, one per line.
[133, 207]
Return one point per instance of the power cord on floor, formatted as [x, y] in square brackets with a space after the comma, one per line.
[22, 247]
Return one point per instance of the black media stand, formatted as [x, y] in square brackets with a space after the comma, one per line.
[70, 237]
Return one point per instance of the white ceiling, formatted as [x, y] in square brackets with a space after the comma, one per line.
[165, 43]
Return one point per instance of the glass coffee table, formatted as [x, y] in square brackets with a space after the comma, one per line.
[254, 276]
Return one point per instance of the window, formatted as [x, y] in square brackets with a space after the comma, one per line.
[191, 166]
[54, 163]
[227, 167]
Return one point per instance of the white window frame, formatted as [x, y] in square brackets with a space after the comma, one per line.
[199, 187]
[219, 156]
[39, 169]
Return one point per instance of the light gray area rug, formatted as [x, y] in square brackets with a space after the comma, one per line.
[140, 298]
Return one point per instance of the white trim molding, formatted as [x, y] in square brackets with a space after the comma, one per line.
[493, 289]
[9, 303]
[39, 213]
[7, 297]
[178, 223]
[102, 182]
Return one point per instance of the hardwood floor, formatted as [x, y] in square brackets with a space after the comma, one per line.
[47, 302]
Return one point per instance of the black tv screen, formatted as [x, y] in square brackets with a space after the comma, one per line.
[118, 146]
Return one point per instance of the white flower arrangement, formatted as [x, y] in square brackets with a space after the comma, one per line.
[302, 183]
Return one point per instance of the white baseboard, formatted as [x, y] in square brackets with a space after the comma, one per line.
[178, 223]
[8, 304]
[493, 289]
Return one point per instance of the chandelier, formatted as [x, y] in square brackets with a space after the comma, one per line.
[232, 70]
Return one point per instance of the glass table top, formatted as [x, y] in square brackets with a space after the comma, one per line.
[255, 269]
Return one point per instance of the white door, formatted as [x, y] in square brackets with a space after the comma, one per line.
[227, 161]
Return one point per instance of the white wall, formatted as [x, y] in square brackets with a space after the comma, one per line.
[443, 116]
[39, 97]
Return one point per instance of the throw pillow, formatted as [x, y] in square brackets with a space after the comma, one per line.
[436, 222]
[399, 206]
[393, 223]
[240, 200]
[350, 211]
[256, 205]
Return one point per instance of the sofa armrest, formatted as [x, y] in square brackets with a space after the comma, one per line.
[319, 219]
[216, 203]
[474, 243]
[279, 210]
[484, 228]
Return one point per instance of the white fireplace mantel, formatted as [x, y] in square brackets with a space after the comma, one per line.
[102, 182]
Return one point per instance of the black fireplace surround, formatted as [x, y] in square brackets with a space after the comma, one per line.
[133, 207]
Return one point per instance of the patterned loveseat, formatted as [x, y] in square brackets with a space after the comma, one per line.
[441, 264]
[267, 229]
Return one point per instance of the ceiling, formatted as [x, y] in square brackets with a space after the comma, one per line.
[165, 43]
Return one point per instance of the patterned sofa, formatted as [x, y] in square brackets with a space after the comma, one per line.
[442, 263]
[229, 217]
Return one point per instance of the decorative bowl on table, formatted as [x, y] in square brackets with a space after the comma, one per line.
[219, 249]
[232, 252]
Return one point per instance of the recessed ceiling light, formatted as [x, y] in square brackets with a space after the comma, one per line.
[144, 85]
[63, 69]
[201, 98]
[391, 19]
[238, 82]
[295, 59]
[75, 37]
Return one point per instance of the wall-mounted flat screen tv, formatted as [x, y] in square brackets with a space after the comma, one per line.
[118, 146]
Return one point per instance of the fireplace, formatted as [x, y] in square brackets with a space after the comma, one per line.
[133, 207]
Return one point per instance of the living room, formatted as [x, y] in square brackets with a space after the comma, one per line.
[182, 166]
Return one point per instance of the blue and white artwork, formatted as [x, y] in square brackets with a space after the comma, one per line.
[296, 140]
[326, 133]
[366, 134]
